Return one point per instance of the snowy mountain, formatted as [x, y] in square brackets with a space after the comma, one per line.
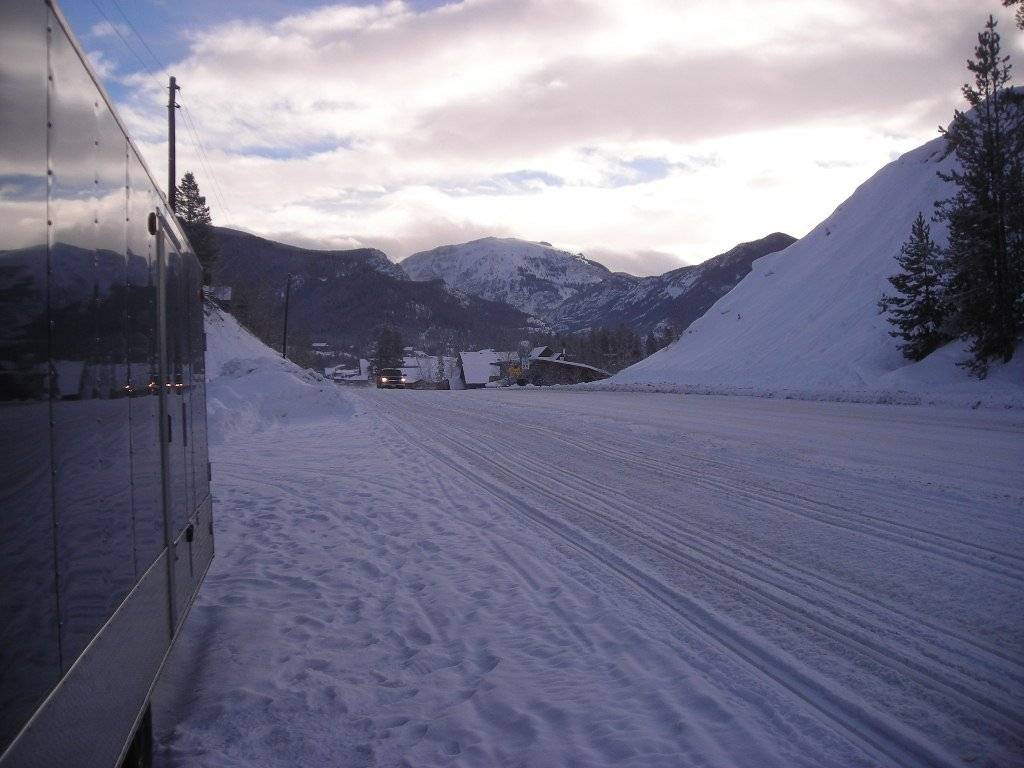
[573, 293]
[806, 319]
[344, 297]
[534, 277]
[675, 299]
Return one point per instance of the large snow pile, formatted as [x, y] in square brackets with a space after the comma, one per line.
[805, 322]
[250, 386]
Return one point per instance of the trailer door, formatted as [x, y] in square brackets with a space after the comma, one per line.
[173, 339]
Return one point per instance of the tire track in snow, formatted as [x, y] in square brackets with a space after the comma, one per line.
[967, 553]
[906, 664]
[746, 579]
[887, 740]
[845, 591]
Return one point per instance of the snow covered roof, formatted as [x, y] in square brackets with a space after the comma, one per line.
[560, 361]
[352, 374]
[478, 367]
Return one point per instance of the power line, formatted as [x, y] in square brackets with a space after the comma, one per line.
[204, 158]
[199, 156]
[197, 130]
[131, 26]
[191, 122]
[125, 43]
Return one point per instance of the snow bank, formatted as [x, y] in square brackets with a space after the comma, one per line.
[249, 385]
[804, 322]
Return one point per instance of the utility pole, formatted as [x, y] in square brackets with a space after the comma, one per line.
[172, 175]
[287, 293]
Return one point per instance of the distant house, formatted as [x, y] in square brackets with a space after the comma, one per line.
[476, 369]
[545, 352]
[342, 375]
[546, 371]
[544, 367]
[423, 371]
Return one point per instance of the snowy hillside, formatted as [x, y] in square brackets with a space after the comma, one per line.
[805, 320]
[534, 277]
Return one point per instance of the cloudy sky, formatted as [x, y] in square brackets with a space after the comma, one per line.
[645, 133]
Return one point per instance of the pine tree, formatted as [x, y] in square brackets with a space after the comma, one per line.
[194, 215]
[986, 215]
[389, 349]
[917, 309]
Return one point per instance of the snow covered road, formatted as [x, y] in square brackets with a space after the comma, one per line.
[579, 578]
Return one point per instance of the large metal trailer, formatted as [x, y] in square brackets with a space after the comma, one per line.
[106, 527]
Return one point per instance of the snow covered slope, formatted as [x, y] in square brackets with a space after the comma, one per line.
[805, 320]
[249, 385]
[534, 277]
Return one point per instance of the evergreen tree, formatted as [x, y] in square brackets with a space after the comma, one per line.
[389, 350]
[986, 215]
[917, 310]
[194, 215]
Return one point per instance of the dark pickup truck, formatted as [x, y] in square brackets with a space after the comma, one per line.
[391, 378]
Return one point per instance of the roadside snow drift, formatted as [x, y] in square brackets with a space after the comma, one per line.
[249, 385]
[805, 320]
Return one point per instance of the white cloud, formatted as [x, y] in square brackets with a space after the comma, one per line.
[108, 29]
[104, 67]
[640, 131]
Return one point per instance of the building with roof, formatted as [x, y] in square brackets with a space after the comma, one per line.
[544, 367]
[478, 368]
[547, 371]
[546, 352]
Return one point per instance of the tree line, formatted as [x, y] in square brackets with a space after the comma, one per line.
[971, 288]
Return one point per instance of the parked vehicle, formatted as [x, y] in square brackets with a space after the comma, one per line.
[106, 527]
[391, 378]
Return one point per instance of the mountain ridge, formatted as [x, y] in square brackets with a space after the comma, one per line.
[571, 293]
[528, 275]
[676, 298]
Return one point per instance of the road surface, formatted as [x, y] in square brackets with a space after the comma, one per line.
[549, 577]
